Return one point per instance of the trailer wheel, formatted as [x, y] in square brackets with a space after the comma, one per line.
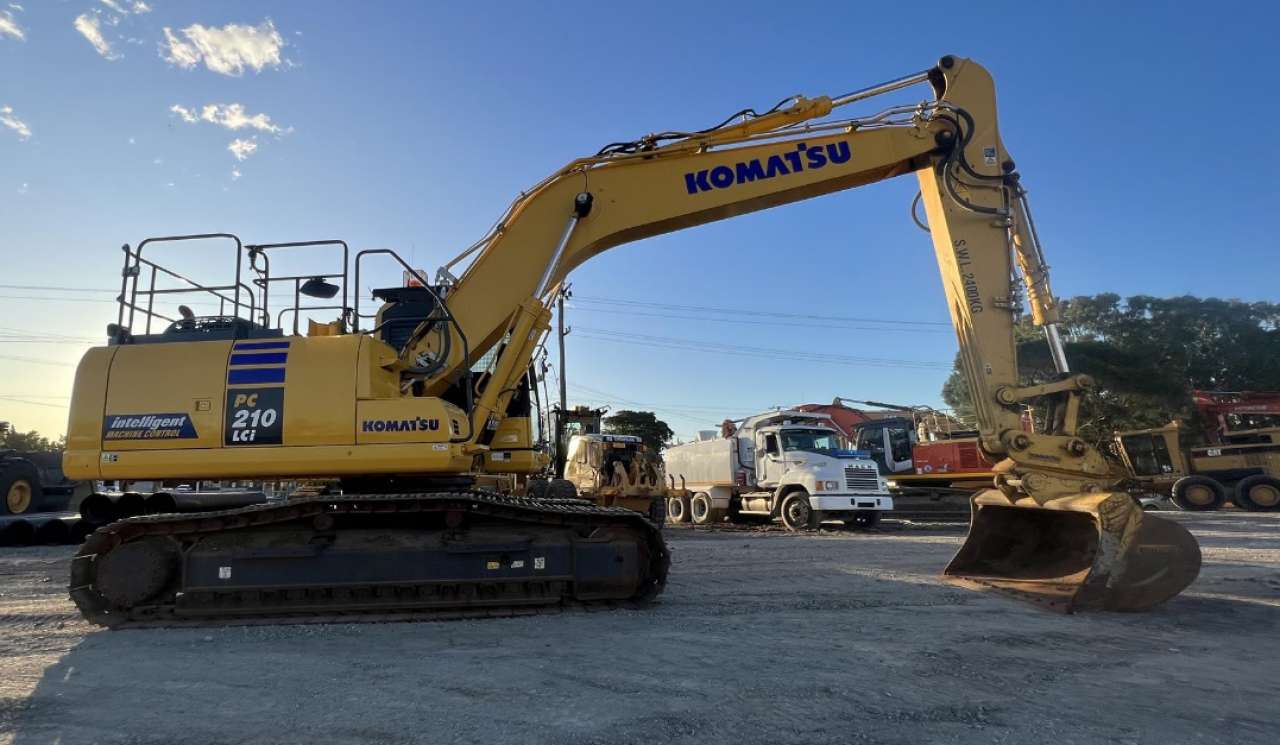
[701, 509]
[1258, 493]
[1198, 493]
[863, 520]
[796, 512]
[678, 509]
[19, 488]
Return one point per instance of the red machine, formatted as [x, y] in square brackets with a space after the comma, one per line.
[958, 456]
[916, 445]
[1232, 411]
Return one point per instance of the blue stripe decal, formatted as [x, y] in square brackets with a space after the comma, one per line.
[262, 358]
[255, 375]
[261, 345]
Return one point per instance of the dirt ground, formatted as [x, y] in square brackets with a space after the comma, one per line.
[761, 637]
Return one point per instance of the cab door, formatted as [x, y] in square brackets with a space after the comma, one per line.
[769, 464]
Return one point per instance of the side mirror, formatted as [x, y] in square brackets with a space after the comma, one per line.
[318, 287]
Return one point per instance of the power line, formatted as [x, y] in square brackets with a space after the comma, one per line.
[666, 342]
[59, 289]
[15, 336]
[35, 361]
[58, 299]
[690, 408]
[754, 312]
[19, 400]
[761, 322]
[609, 398]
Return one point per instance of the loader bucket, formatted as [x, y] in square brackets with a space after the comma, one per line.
[1083, 552]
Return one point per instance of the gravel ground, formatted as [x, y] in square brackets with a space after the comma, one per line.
[761, 637]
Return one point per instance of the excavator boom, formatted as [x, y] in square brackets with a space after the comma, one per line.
[1052, 529]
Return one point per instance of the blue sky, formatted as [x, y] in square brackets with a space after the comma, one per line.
[1142, 132]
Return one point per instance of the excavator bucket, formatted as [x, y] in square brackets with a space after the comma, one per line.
[1083, 552]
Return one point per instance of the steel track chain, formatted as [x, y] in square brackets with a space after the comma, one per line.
[550, 511]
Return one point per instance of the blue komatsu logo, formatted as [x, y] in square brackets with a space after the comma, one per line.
[803, 158]
[417, 424]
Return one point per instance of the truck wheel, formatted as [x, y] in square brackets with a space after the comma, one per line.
[678, 509]
[1198, 493]
[863, 520]
[796, 512]
[19, 488]
[1258, 493]
[701, 509]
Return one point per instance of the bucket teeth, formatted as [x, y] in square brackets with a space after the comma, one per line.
[1082, 552]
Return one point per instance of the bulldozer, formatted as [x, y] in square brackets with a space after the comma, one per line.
[400, 415]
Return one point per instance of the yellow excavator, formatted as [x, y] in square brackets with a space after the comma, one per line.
[402, 413]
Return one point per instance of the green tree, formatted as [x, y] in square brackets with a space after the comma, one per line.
[28, 441]
[1147, 354]
[643, 424]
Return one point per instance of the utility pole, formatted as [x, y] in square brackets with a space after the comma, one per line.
[561, 333]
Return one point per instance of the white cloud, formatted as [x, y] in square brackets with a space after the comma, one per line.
[17, 7]
[242, 149]
[132, 7]
[12, 122]
[187, 115]
[89, 28]
[233, 116]
[235, 174]
[227, 50]
[132, 141]
[10, 27]
[24, 188]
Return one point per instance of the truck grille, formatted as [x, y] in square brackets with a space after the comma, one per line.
[861, 478]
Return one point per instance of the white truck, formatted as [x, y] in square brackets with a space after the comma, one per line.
[786, 464]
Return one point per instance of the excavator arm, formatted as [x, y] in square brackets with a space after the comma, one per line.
[1079, 544]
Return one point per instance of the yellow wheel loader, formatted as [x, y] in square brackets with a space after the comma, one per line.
[401, 411]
